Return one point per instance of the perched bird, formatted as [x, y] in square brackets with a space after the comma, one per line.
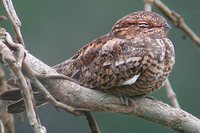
[133, 59]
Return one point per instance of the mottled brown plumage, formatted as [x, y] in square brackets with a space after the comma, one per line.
[137, 48]
[133, 59]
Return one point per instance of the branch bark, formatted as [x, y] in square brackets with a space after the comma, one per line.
[77, 96]
[6, 119]
[9, 59]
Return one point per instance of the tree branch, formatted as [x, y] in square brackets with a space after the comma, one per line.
[8, 5]
[6, 119]
[77, 96]
[171, 94]
[92, 122]
[9, 59]
[148, 5]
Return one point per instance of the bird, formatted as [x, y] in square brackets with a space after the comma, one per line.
[133, 59]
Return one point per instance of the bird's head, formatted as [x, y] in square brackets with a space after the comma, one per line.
[141, 23]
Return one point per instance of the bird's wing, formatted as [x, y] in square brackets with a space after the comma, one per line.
[107, 62]
[84, 56]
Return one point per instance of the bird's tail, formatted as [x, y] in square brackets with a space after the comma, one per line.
[13, 93]
[65, 68]
[15, 102]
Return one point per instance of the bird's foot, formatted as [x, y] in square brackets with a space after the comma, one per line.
[150, 97]
[125, 100]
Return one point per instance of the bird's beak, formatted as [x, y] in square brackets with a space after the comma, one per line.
[166, 25]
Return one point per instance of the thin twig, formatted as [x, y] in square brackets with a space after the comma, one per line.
[33, 100]
[11, 61]
[56, 103]
[16, 67]
[59, 76]
[2, 130]
[3, 18]
[92, 122]
[7, 121]
[177, 20]
[171, 94]
[3, 84]
[14, 19]
[148, 5]
[6, 118]
[18, 46]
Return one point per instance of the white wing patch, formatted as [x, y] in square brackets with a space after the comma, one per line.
[119, 62]
[129, 59]
[132, 80]
[133, 59]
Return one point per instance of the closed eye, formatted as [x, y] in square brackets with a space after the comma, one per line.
[144, 24]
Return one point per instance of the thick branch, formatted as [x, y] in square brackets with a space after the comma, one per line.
[80, 97]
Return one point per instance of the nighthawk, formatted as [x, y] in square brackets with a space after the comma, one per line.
[133, 59]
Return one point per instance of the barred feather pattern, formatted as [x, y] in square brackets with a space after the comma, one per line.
[133, 59]
[107, 65]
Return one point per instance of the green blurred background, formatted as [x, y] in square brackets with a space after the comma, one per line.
[54, 30]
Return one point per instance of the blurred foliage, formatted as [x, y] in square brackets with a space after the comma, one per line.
[54, 30]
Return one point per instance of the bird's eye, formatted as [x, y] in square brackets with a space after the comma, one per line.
[128, 23]
[143, 24]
